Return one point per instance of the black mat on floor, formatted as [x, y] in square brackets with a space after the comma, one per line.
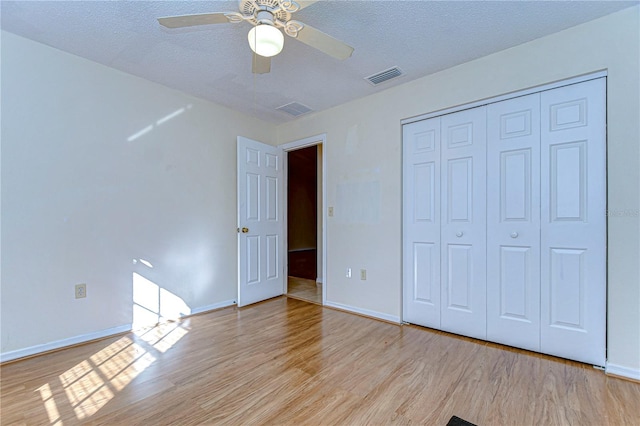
[457, 421]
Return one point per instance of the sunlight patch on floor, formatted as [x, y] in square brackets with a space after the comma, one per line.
[92, 383]
[49, 404]
[164, 336]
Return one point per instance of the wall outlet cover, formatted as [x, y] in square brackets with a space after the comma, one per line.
[81, 291]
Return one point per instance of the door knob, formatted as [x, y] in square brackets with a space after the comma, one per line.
[514, 235]
[245, 230]
[459, 234]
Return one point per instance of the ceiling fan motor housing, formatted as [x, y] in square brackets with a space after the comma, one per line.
[264, 17]
[255, 8]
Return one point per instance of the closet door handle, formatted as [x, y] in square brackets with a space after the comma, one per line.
[514, 235]
[459, 234]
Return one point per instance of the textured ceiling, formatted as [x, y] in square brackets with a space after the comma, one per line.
[214, 62]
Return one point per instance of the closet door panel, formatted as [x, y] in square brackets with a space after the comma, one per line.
[513, 222]
[463, 227]
[573, 232]
[421, 223]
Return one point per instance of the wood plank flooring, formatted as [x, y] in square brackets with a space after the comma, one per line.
[305, 289]
[285, 361]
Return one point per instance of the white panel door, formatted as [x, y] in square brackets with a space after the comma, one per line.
[573, 244]
[260, 222]
[421, 223]
[463, 220]
[513, 222]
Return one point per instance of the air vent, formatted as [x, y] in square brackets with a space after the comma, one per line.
[383, 76]
[294, 108]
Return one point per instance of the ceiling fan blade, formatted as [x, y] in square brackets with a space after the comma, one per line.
[261, 64]
[324, 42]
[305, 3]
[192, 20]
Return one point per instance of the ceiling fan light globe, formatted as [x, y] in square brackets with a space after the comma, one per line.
[266, 40]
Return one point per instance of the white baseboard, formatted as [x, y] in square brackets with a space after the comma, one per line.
[34, 350]
[365, 312]
[213, 307]
[58, 344]
[319, 281]
[619, 370]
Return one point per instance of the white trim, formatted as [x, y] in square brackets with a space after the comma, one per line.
[319, 280]
[303, 143]
[619, 370]
[365, 312]
[213, 307]
[320, 139]
[58, 344]
[511, 95]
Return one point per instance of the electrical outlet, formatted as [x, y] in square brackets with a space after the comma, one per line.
[348, 272]
[81, 291]
[330, 211]
[363, 274]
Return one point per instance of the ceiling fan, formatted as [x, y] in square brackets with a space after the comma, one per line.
[268, 17]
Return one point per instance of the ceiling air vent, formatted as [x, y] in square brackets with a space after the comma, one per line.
[383, 76]
[294, 108]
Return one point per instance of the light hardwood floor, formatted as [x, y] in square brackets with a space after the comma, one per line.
[302, 288]
[285, 361]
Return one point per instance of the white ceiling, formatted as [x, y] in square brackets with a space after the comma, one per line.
[214, 62]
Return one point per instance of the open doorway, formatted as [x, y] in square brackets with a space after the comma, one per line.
[304, 223]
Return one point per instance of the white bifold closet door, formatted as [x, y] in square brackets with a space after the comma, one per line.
[421, 223]
[573, 222]
[513, 222]
[504, 224]
[463, 229]
[444, 223]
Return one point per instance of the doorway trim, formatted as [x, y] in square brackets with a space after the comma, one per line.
[320, 139]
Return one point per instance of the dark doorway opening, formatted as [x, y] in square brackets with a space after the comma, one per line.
[302, 224]
[302, 212]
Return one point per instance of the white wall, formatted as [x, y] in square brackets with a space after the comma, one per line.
[82, 198]
[363, 154]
